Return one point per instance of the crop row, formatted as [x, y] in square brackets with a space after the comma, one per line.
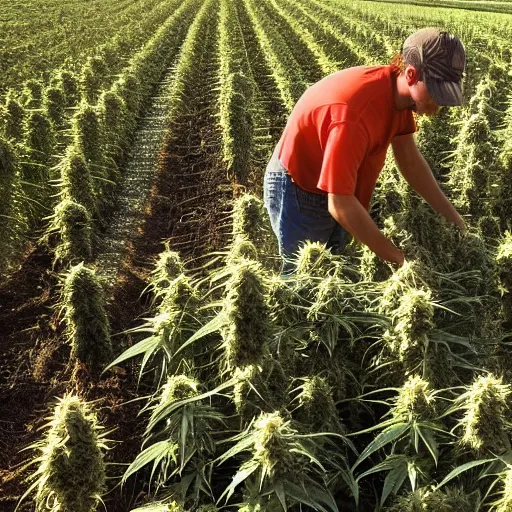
[32, 46]
[93, 149]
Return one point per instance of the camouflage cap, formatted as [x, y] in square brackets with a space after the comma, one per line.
[441, 60]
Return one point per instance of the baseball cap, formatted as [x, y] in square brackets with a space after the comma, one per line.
[441, 60]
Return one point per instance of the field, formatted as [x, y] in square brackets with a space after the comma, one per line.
[152, 356]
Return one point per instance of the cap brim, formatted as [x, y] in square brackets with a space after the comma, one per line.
[446, 94]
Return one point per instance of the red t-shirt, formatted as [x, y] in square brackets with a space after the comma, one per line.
[339, 131]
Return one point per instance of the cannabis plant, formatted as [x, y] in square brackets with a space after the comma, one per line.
[413, 431]
[485, 425]
[13, 219]
[259, 389]
[54, 104]
[76, 180]
[427, 499]
[249, 221]
[168, 330]
[93, 76]
[171, 506]
[246, 329]
[71, 468]
[180, 441]
[504, 264]
[87, 324]
[285, 463]
[315, 406]
[13, 116]
[31, 93]
[168, 268]
[88, 136]
[74, 224]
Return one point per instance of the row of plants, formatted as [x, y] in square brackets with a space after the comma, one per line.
[236, 95]
[304, 32]
[94, 149]
[268, 110]
[287, 73]
[348, 32]
[117, 30]
[276, 21]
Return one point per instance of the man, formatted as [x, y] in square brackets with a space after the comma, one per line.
[322, 174]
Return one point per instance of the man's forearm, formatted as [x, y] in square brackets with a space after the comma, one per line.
[352, 215]
[418, 174]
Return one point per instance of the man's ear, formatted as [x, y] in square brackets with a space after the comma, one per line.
[412, 75]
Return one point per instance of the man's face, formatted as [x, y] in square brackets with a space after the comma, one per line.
[423, 102]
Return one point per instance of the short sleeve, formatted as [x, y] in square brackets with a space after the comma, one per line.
[345, 150]
[407, 124]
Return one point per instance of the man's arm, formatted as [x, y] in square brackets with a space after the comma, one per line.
[353, 216]
[417, 173]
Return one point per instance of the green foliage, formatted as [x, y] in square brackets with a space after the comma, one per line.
[128, 87]
[504, 265]
[248, 219]
[54, 104]
[13, 116]
[39, 136]
[70, 86]
[237, 124]
[475, 162]
[282, 461]
[73, 222]
[87, 133]
[504, 502]
[485, 424]
[12, 218]
[236, 96]
[241, 249]
[168, 268]
[248, 330]
[180, 440]
[413, 432]
[160, 507]
[40, 145]
[413, 320]
[174, 322]
[415, 401]
[333, 303]
[490, 230]
[32, 93]
[87, 324]
[435, 500]
[316, 407]
[259, 388]
[287, 73]
[76, 180]
[71, 468]
[315, 260]
[93, 77]
[113, 116]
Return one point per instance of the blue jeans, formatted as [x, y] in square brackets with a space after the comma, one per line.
[297, 215]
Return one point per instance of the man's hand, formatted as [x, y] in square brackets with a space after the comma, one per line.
[461, 224]
[399, 258]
